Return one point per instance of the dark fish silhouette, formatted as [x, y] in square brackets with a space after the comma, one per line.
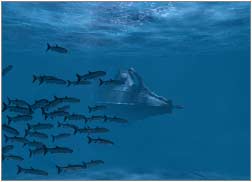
[71, 167]
[58, 149]
[91, 75]
[60, 136]
[39, 103]
[116, 119]
[10, 130]
[68, 99]
[38, 151]
[7, 148]
[56, 48]
[17, 109]
[94, 163]
[75, 117]
[6, 70]
[54, 114]
[22, 140]
[89, 130]
[96, 108]
[35, 134]
[63, 108]
[18, 102]
[48, 79]
[12, 157]
[75, 83]
[96, 118]
[31, 170]
[34, 144]
[19, 118]
[39, 126]
[99, 140]
[110, 82]
[63, 125]
[52, 104]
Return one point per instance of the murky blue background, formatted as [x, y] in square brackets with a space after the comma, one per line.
[197, 54]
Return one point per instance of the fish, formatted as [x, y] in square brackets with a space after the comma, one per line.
[7, 148]
[40, 150]
[75, 83]
[99, 140]
[96, 108]
[7, 69]
[71, 167]
[31, 170]
[19, 118]
[116, 119]
[54, 114]
[22, 140]
[91, 130]
[18, 102]
[10, 129]
[34, 144]
[58, 149]
[94, 163]
[96, 118]
[42, 77]
[75, 117]
[60, 136]
[39, 126]
[90, 75]
[110, 82]
[12, 157]
[17, 109]
[67, 125]
[52, 104]
[39, 103]
[68, 99]
[63, 108]
[54, 81]
[35, 134]
[56, 48]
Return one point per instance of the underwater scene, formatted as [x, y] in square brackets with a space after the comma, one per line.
[125, 90]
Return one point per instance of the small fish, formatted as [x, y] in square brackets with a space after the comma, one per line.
[63, 108]
[38, 151]
[34, 144]
[56, 48]
[91, 130]
[12, 157]
[7, 148]
[96, 108]
[35, 134]
[39, 103]
[41, 78]
[22, 140]
[94, 163]
[110, 82]
[52, 104]
[99, 140]
[17, 109]
[19, 118]
[54, 114]
[63, 125]
[31, 171]
[54, 81]
[68, 99]
[60, 136]
[75, 117]
[91, 75]
[96, 118]
[58, 149]
[39, 126]
[10, 129]
[6, 70]
[116, 119]
[18, 102]
[71, 167]
[75, 83]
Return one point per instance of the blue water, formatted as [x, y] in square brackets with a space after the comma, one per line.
[196, 54]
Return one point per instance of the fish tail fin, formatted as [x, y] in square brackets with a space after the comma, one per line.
[30, 153]
[58, 124]
[89, 139]
[65, 118]
[19, 169]
[58, 169]
[26, 132]
[78, 77]
[75, 130]
[9, 101]
[4, 107]
[6, 138]
[89, 109]
[45, 149]
[48, 47]
[100, 82]
[68, 83]
[9, 119]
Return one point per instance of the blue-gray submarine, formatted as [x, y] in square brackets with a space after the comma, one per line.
[131, 98]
